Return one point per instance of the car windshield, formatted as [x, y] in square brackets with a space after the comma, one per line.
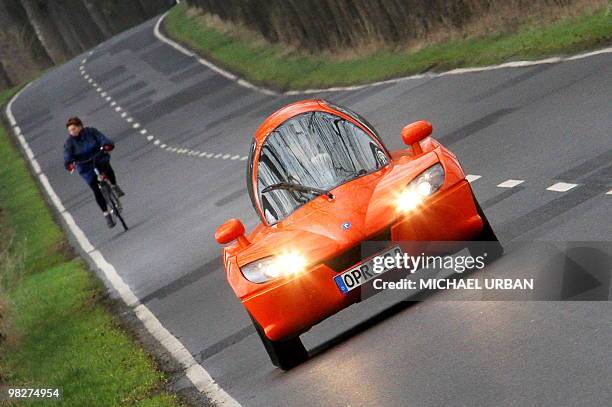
[313, 150]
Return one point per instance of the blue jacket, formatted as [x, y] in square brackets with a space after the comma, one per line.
[83, 147]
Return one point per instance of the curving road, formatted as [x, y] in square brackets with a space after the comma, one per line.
[545, 124]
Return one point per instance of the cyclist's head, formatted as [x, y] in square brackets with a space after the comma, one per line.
[74, 126]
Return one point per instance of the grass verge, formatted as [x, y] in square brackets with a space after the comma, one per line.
[56, 328]
[284, 68]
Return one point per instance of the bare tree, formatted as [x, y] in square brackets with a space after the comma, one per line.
[46, 29]
[5, 82]
[98, 16]
[21, 54]
[35, 34]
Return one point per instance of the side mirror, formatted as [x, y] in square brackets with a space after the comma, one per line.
[231, 230]
[415, 132]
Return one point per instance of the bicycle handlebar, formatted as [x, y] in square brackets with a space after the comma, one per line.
[92, 158]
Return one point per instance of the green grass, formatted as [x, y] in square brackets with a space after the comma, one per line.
[61, 332]
[278, 67]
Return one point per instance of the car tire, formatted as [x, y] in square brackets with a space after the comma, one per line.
[284, 354]
[486, 242]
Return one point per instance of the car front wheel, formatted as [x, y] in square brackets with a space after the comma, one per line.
[284, 354]
[486, 242]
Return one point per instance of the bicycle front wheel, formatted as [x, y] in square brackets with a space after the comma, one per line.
[113, 201]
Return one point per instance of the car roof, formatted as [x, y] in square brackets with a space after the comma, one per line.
[285, 113]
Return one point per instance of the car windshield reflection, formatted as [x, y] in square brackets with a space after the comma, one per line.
[315, 150]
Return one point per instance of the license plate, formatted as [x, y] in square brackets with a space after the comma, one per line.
[363, 272]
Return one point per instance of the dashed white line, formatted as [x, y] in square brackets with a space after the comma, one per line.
[137, 125]
[471, 178]
[511, 183]
[561, 187]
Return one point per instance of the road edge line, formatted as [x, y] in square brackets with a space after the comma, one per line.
[228, 75]
[195, 372]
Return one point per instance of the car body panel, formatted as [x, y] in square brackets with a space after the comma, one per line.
[318, 229]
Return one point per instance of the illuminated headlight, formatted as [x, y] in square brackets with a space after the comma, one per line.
[428, 182]
[284, 264]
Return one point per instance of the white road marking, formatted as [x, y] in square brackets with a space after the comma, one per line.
[244, 158]
[609, 192]
[511, 183]
[561, 187]
[157, 142]
[137, 125]
[235, 157]
[471, 178]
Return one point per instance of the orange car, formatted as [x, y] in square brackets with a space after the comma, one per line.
[322, 182]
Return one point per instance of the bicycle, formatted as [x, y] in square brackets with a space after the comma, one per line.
[112, 200]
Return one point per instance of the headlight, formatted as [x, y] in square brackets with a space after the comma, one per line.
[284, 264]
[428, 182]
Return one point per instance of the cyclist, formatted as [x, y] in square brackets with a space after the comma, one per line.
[79, 150]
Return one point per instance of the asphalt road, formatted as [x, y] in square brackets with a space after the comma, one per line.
[543, 124]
